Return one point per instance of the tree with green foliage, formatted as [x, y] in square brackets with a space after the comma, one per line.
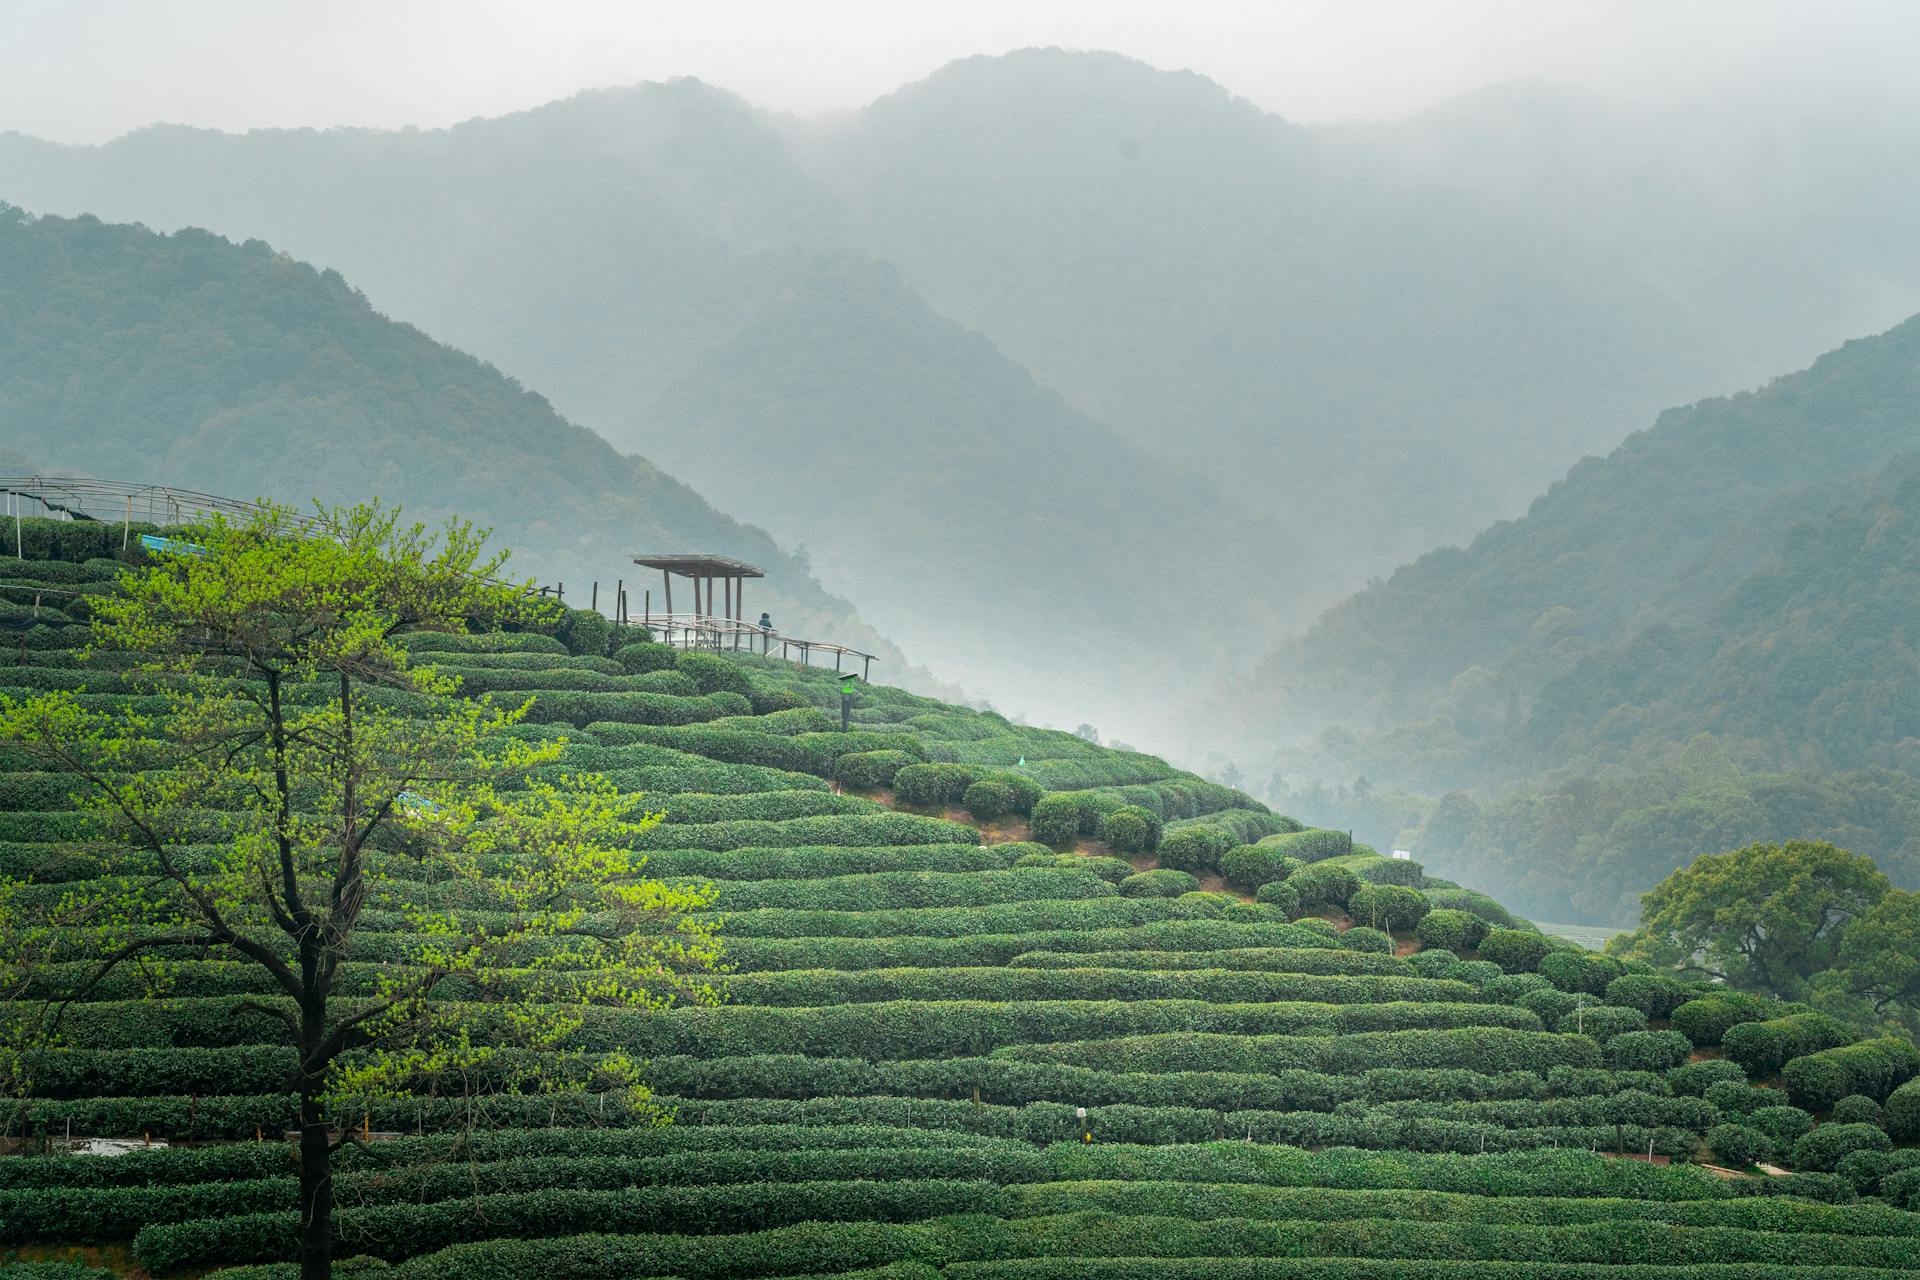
[1768, 917]
[343, 780]
[1880, 954]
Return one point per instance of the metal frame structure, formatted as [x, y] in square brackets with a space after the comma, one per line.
[123, 502]
[115, 501]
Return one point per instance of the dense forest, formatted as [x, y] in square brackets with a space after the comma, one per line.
[188, 360]
[1735, 584]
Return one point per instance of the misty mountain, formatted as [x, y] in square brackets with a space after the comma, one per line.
[1371, 339]
[593, 247]
[1742, 567]
[999, 533]
[188, 360]
[1382, 335]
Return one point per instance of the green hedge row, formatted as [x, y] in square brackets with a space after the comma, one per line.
[584, 709]
[832, 986]
[1194, 934]
[813, 753]
[1326, 960]
[842, 829]
[1874, 1068]
[918, 1029]
[902, 890]
[1206, 1201]
[248, 1160]
[96, 1214]
[1486, 1049]
[398, 1231]
[1762, 1048]
[759, 806]
[820, 862]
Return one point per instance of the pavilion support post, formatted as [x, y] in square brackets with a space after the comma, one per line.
[866, 669]
[667, 577]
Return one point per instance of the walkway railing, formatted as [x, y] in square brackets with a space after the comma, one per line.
[708, 631]
[123, 503]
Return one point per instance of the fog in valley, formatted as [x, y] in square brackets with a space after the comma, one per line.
[1325, 396]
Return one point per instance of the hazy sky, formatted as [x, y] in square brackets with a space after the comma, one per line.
[83, 71]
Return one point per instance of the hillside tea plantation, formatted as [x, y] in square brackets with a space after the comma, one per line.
[1001, 1003]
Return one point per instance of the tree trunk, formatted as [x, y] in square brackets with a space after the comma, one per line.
[316, 1192]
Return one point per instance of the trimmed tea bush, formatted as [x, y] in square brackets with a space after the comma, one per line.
[1132, 828]
[988, 799]
[1369, 940]
[1820, 1150]
[1515, 950]
[1324, 885]
[1389, 907]
[1581, 971]
[1400, 871]
[1903, 1112]
[870, 770]
[1739, 1144]
[1873, 1067]
[1765, 1047]
[1251, 865]
[1311, 845]
[642, 657]
[1447, 929]
[1280, 894]
[714, 674]
[1195, 848]
[1655, 995]
[1163, 882]
[1785, 1125]
[1648, 1050]
[1707, 1020]
[1055, 819]
[933, 784]
[1693, 1079]
[1857, 1108]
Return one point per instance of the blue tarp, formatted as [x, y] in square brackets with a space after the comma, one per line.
[171, 546]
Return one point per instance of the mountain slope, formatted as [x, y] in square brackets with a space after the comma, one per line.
[999, 532]
[189, 360]
[1428, 317]
[1657, 579]
[592, 247]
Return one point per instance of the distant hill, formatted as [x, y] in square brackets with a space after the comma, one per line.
[1380, 337]
[1371, 338]
[998, 533]
[1734, 569]
[592, 248]
[190, 360]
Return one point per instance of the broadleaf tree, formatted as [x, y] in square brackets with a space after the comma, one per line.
[1802, 921]
[301, 781]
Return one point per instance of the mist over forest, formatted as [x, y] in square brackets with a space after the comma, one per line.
[1078, 377]
[1314, 670]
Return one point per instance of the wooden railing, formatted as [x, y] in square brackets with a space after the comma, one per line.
[708, 631]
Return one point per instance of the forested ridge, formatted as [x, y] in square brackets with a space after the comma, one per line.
[1368, 338]
[944, 482]
[1742, 571]
[185, 359]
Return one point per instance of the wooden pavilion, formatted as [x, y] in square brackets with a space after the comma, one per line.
[702, 571]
